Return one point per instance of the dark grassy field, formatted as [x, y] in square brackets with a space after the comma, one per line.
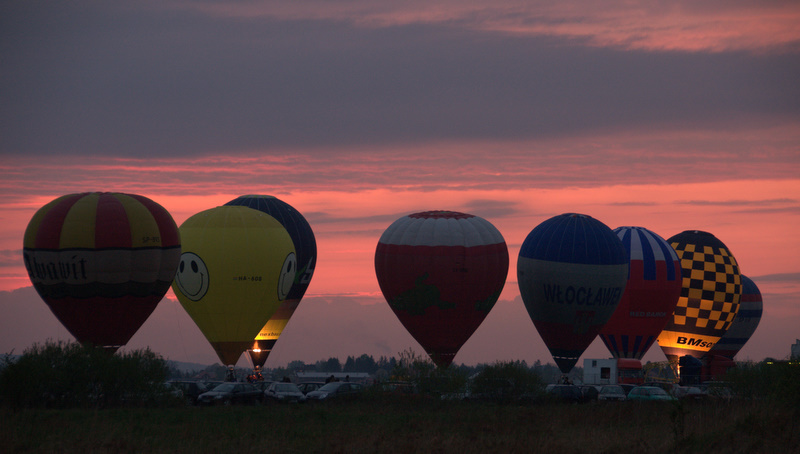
[389, 425]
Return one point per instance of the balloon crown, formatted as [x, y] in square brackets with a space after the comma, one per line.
[440, 214]
[255, 196]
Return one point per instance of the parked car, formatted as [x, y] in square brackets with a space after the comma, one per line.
[589, 392]
[568, 393]
[627, 387]
[690, 393]
[649, 393]
[462, 394]
[612, 392]
[670, 388]
[397, 388]
[284, 392]
[262, 385]
[188, 390]
[309, 386]
[337, 389]
[718, 390]
[230, 393]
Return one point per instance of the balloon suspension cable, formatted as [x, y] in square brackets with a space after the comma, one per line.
[252, 363]
[180, 331]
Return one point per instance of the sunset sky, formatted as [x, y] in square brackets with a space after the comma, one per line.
[671, 115]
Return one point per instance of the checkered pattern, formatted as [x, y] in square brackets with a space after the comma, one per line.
[711, 288]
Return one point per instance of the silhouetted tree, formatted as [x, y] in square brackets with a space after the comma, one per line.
[74, 375]
[296, 365]
[330, 365]
[506, 382]
[365, 363]
[349, 365]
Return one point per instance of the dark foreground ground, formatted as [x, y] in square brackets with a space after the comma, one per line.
[406, 426]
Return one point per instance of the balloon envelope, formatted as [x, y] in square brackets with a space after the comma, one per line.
[306, 248]
[441, 273]
[745, 323]
[652, 291]
[572, 270]
[709, 298]
[237, 266]
[102, 262]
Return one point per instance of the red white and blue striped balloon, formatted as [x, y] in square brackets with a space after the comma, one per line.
[441, 273]
[652, 292]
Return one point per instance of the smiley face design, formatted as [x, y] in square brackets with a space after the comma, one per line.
[286, 280]
[192, 277]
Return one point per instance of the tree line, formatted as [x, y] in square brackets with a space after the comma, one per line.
[69, 375]
[381, 369]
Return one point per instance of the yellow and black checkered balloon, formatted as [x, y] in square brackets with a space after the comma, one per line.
[712, 287]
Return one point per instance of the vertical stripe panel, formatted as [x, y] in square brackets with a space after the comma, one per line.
[648, 258]
[168, 230]
[612, 340]
[78, 228]
[670, 257]
[44, 230]
[113, 230]
[142, 227]
[637, 347]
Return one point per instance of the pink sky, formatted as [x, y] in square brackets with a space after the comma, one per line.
[669, 117]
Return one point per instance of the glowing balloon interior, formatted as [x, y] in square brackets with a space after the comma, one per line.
[441, 273]
[652, 291]
[238, 266]
[709, 298]
[102, 262]
[572, 271]
[306, 248]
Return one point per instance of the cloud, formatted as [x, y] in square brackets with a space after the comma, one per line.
[678, 25]
[765, 206]
[789, 210]
[788, 278]
[643, 158]
[327, 218]
[10, 257]
[359, 112]
[488, 209]
[740, 202]
[634, 204]
[163, 82]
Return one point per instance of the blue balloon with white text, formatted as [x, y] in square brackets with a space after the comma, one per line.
[572, 271]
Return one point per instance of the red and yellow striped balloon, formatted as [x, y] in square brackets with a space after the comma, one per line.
[102, 262]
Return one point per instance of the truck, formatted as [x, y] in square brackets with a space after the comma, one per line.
[612, 371]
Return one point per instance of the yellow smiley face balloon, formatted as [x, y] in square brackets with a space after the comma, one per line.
[236, 268]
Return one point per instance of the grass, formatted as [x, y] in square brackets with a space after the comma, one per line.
[389, 425]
